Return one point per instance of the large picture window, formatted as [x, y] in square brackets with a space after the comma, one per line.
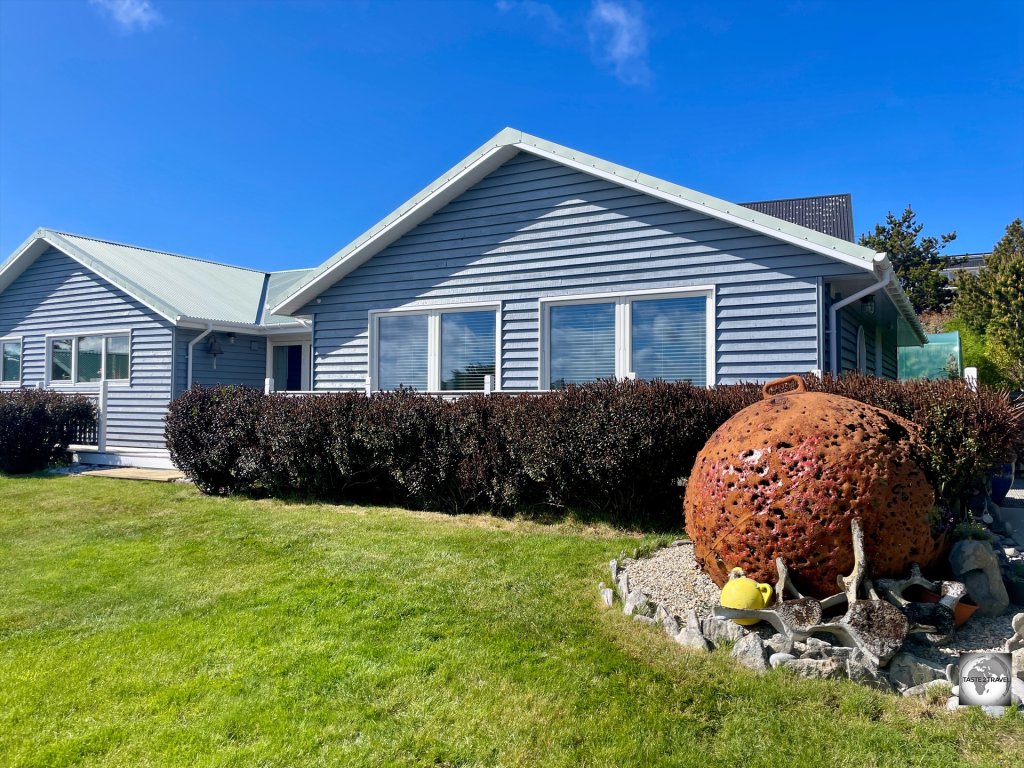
[438, 350]
[89, 359]
[660, 335]
[10, 361]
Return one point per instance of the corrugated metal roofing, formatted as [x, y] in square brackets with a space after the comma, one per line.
[278, 286]
[829, 214]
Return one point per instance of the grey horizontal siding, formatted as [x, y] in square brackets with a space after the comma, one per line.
[243, 362]
[534, 229]
[55, 294]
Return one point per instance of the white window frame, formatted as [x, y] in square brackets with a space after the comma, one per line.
[433, 313]
[74, 336]
[623, 301]
[21, 361]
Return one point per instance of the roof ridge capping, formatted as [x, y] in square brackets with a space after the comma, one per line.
[119, 244]
[506, 143]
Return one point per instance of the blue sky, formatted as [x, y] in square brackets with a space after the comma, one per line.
[271, 134]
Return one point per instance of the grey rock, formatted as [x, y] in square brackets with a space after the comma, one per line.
[718, 631]
[779, 643]
[622, 586]
[816, 649]
[922, 690]
[750, 652]
[1017, 690]
[993, 711]
[607, 596]
[820, 669]
[1011, 551]
[865, 673]
[644, 619]
[668, 622]
[690, 636]
[678, 542]
[778, 659]
[953, 703]
[613, 566]
[638, 604]
[907, 670]
[976, 565]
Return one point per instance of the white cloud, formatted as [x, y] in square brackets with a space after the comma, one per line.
[532, 9]
[618, 36]
[129, 15]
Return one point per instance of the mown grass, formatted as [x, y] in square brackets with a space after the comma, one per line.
[144, 624]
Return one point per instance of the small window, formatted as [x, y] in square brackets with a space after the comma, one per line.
[468, 350]
[117, 358]
[402, 352]
[61, 359]
[11, 364]
[582, 343]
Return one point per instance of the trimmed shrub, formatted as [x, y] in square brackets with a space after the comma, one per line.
[210, 434]
[618, 450]
[967, 432]
[37, 426]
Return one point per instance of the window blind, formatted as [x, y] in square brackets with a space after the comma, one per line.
[468, 350]
[582, 343]
[669, 339]
[402, 352]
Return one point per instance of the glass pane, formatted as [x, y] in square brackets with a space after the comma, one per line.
[402, 351]
[582, 343]
[669, 339]
[117, 357]
[467, 349]
[90, 357]
[11, 361]
[288, 368]
[60, 360]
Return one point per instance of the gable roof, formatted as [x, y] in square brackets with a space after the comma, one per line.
[831, 214]
[510, 142]
[178, 288]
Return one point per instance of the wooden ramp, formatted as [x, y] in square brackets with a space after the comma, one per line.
[137, 473]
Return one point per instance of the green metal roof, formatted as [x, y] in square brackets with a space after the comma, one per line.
[177, 287]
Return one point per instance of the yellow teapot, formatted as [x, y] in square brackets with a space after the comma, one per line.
[741, 592]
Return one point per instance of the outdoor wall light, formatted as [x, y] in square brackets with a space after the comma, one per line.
[868, 302]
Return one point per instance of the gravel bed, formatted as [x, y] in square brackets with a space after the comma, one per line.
[671, 576]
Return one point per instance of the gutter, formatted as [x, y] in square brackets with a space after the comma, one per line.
[881, 263]
[191, 346]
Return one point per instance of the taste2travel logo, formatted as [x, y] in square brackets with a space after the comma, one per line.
[985, 678]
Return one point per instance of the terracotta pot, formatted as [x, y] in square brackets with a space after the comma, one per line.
[964, 609]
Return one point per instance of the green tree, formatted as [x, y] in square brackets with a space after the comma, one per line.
[991, 303]
[917, 261]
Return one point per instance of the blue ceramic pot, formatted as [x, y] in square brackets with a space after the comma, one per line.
[1001, 480]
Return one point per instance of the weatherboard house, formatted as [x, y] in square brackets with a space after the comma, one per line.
[525, 267]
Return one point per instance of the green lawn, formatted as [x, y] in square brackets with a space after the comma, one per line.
[144, 624]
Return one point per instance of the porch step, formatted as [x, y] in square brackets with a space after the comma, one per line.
[115, 456]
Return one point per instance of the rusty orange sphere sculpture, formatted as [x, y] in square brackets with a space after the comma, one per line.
[786, 476]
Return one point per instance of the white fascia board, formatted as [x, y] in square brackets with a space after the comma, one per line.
[184, 321]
